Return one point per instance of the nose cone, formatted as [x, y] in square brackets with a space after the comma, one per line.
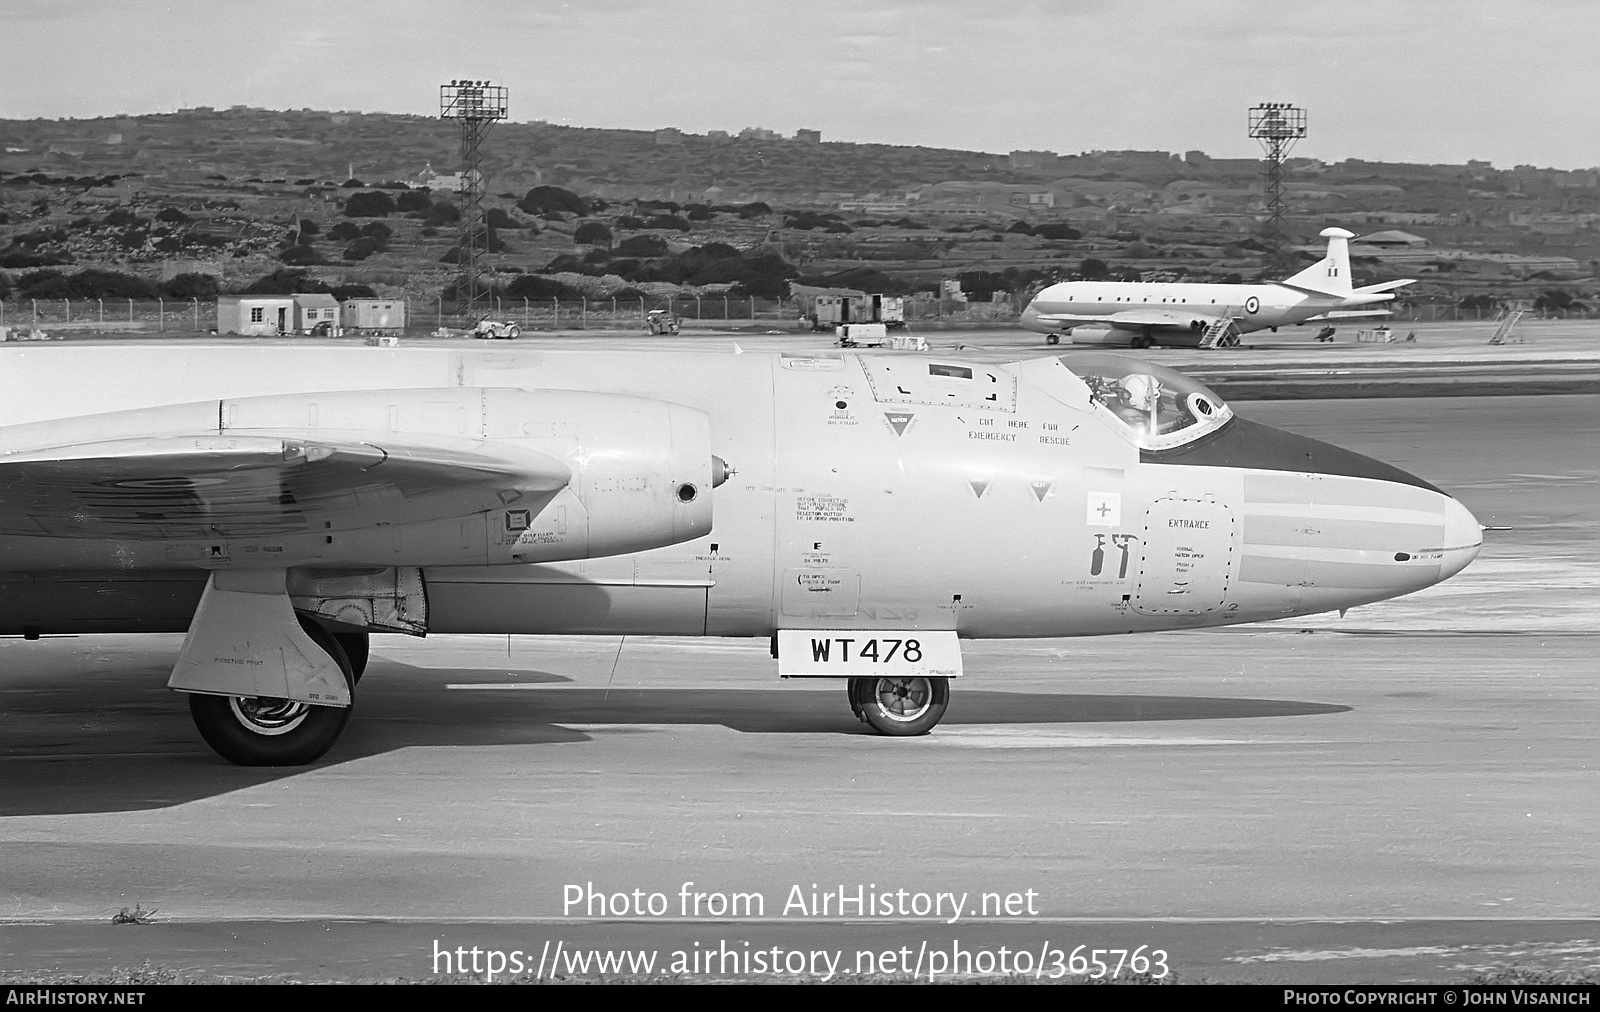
[1030, 319]
[1463, 538]
[1323, 527]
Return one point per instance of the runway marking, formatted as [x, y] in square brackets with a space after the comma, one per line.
[1009, 737]
[1574, 947]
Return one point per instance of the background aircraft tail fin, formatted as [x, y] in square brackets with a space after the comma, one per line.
[1331, 274]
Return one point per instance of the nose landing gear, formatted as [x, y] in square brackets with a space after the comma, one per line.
[900, 706]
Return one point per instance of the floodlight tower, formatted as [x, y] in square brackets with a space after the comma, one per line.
[1277, 125]
[476, 105]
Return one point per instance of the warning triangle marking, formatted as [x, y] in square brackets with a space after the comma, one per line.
[898, 420]
[1040, 488]
[979, 486]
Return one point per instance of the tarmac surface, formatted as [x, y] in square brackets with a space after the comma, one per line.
[1405, 793]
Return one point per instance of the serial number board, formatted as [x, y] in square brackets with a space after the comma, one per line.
[860, 653]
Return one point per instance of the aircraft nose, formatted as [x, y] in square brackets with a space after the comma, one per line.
[1463, 539]
[1323, 527]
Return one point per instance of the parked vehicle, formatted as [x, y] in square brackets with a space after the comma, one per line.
[660, 321]
[494, 329]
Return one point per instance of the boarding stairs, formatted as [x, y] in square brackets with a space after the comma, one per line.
[1221, 333]
[1508, 317]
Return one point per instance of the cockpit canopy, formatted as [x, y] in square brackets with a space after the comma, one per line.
[1156, 407]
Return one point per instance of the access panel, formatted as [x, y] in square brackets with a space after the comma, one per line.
[1187, 565]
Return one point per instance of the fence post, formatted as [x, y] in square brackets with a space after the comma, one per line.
[724, 307]
[130, 312]
[35, 311]
[583, 323]
[196, 314]
[697, 307]
[102, 313]
[641, 310]
[555, 321]
[69, 309]
[524, 314]
[439, 319]
[613, 310]
[161, 316]
[752, 307]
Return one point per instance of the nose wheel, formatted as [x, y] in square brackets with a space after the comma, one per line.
[900, 706]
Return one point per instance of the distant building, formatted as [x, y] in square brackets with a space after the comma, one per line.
[312, 310]
[669, 137]
[1391, 239]
[759, 134]
[1034, 159]
[262, 315]
[808, 136]
[375, 314]
[718, 136]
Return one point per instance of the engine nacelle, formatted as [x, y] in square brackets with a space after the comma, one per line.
[642, 474]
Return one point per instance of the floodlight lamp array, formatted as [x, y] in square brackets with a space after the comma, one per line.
[1277, 121]
[465, 99]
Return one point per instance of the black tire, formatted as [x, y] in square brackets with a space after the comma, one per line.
[514, 333]
[1052, 339]
[265, 731]
[357, 646]
[1140, 341]
[900, 707]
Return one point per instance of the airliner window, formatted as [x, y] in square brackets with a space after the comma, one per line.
[955, 371]
[1157, 407]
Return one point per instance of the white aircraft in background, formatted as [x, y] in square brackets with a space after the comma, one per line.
[866, 512]
[1144, 314]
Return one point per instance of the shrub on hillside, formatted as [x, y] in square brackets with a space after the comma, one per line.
[1057, 230]
[85, 284]
[498, 218]
[593, 233]
[642, 246]
[668, 221]
[350, 184]
[757, 209]
[362, 248]
[285, 281]
[369, 204]
[172, 215]
[301, 256]
[442, 213]
[413, 200]
[190, 286]
[344, 231]
[542, 199]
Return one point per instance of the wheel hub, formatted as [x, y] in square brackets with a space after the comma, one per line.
[268, 714]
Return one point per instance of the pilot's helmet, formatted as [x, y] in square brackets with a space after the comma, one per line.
[1141, 390]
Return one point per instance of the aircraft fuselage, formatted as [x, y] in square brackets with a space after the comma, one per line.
[870, 492]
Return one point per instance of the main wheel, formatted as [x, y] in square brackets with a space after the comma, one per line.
[267, 731]
[357, 646]
[1141, 341]
[1052, 339]
[515, 332]
[900, 706]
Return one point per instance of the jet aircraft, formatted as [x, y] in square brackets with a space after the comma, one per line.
[866, 512]
[1143, 314]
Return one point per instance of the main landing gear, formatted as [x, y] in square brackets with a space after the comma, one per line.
[271, 731]
[900, 706]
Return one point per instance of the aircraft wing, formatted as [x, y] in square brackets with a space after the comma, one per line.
[156, 488]
[1126, 318]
